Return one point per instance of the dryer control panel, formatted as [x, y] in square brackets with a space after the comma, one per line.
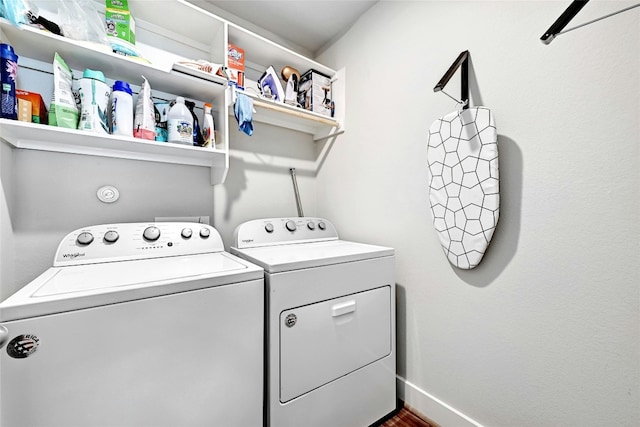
[280, 231]
[129, 241]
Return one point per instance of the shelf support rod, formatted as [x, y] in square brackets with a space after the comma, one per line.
[462, 62]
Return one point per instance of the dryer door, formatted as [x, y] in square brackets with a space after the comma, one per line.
[324, 341]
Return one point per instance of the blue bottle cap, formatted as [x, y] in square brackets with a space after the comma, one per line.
[6, 51]
[122, 87]
[96, 75]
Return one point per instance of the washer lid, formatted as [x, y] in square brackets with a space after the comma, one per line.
[77, 287]
[280, 258]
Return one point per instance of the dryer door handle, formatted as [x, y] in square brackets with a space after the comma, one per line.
[343, 308]
[4, 336]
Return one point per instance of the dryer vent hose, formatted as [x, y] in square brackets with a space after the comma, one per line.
[296, 192]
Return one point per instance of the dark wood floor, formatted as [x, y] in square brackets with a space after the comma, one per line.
[405, 417]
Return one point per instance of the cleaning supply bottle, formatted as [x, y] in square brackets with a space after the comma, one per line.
[197, 135]
[94, 97]
[208, 127]
[121, 113]
[8, 73]
[180, 123]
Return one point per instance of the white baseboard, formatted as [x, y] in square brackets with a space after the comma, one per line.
[431, 407]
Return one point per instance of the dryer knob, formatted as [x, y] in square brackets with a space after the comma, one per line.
[151, 233]
[84, 238]
[291, 226]
[311, 226]
[322, 225]
[186, 233]
[205, 233]
[111, 236]
[268, 227]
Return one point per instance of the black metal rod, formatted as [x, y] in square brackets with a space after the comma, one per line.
[461, 61]
[464, 84]
[563, 20]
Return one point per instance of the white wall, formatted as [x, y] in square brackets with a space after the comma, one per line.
[546, 331]
[259, 183]
[6, 231]
[47, 195]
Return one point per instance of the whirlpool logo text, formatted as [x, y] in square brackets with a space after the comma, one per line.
[74, 255]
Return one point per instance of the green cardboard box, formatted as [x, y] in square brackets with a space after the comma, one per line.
[118, 4]
[120, 22]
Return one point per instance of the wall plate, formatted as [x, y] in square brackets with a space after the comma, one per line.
[108, 194]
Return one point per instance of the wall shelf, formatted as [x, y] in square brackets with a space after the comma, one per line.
[290, 117]
[35, 136]
[41, 45]
[163, 45]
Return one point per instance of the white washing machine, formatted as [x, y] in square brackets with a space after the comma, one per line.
[136, 325]
[331, 357]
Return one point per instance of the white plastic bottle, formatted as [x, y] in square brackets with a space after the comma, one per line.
[94, 97]
[180, 123]
[121, 114]
[208, 127]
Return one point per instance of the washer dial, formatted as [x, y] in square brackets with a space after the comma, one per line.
[111, 236]
[151, 233]
[84, 238]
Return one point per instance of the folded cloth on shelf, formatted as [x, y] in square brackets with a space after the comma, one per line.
[243, 110]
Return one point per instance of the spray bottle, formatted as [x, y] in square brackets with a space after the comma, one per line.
[208, 127]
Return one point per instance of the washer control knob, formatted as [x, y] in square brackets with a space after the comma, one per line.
[291, 226]
[205, 233]
[311, 225]
[111, 236]
[186, 233]
[84, 238]
[322, 225]
[268, 227]
[151, 233]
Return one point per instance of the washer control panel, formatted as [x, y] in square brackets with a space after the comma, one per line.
[129, 241]
[275, 231]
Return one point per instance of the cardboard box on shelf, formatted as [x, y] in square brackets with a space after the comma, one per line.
[39, 112]
[119, 21]
[235, 59]
[24, 110]
[314, 93]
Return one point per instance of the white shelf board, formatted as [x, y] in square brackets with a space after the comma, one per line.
[261, 51]
[288, 116]
[35, 136]
[41, 45]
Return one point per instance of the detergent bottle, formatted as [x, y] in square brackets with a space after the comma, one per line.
[208, 127]
[180, 123]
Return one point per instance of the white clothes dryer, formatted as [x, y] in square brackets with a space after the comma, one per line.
[145, 324]
[330, 307]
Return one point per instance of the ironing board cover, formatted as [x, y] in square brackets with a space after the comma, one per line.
[462, 154]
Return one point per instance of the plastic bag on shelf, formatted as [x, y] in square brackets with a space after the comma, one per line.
[82, 20]
[15, 11]
[144, 122]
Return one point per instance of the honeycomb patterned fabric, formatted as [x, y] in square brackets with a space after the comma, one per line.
[464, 190]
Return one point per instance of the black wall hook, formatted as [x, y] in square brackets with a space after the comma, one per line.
[563, 20]
[462, 62]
